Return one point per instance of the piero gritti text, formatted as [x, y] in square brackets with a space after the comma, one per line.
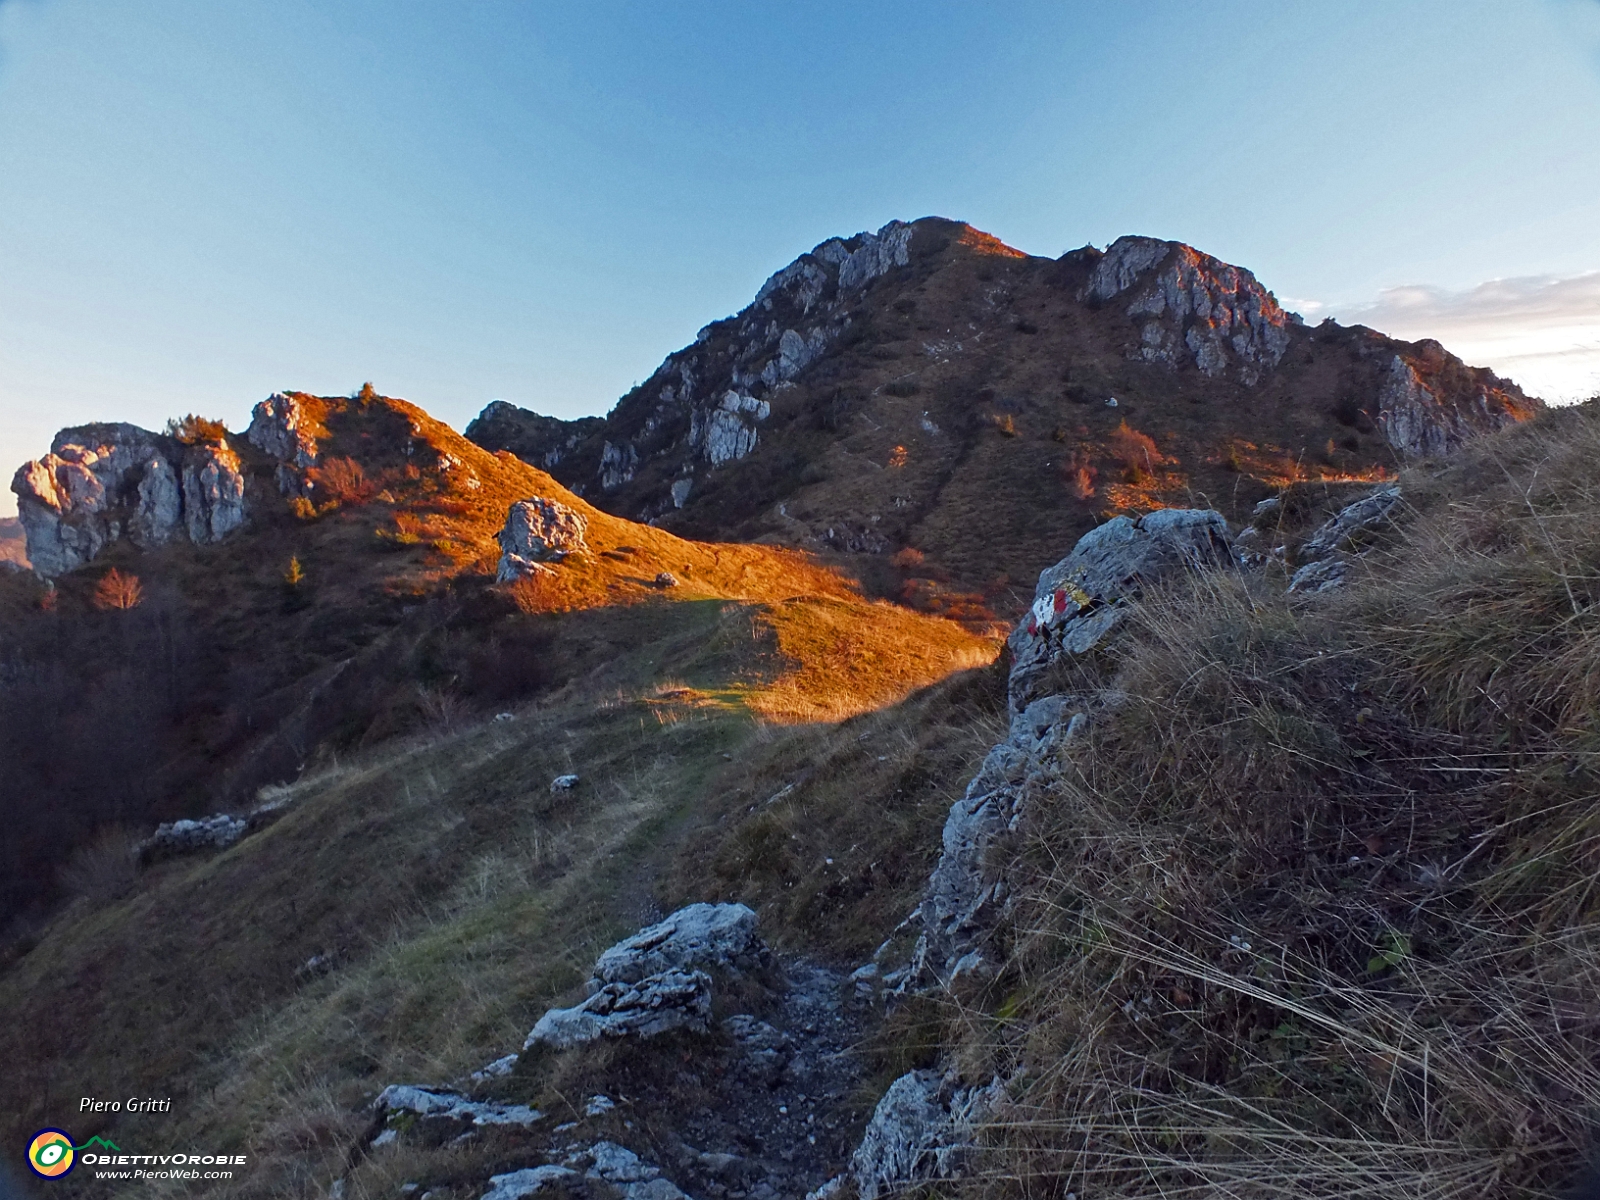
[132, 1104]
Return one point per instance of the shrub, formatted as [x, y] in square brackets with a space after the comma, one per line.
[343, 481]
[117, 590]
[1006, 424]
[194, 428]
[908, 559]
[904, 386]
[105, 868]
[898, 456]
[1135, 451]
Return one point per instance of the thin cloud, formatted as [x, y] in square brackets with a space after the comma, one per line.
[1542, 330]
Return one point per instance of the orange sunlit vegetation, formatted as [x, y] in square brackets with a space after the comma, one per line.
[1281, 468]
[986, 243]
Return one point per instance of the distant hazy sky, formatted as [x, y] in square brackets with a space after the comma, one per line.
[202, 201]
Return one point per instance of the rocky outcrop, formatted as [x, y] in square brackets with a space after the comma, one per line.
[703, 406]
[618, 1170]
[922, 1130]
[967, 892]
[1192, 308]
[654, 1005]
[656, 981]
[103, 483]
[1085, 595]
[282, 427]
[537, 531]
[1324, 557]
[188, 836]
[700, 937]
[398, 1102]
[540, 440]
[728, 431]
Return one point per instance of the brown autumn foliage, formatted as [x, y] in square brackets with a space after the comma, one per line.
[343, 480]
[118, 591]
[194, 428]
[1136, 451]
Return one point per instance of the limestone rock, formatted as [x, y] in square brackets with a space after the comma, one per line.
[700, 937]
[281, 428]
[876, 255]
[1193, 307]
[967, 893]
[436, 1104]
[530, 1181]
[922, 1130]
[655, 1005]
[86, 494]
[1350, 525]
[188, 837]
[728, 432]
[101, 483]
[538, 530]
[213, 492]
[1084, 596]
[1324, 575]
[618, 464]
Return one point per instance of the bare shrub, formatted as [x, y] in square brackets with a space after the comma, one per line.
[105, 868]
[117, 591]
[443, 710]
[343, 480]
[1136, 452]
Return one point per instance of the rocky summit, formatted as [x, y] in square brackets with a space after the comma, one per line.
[927, 387]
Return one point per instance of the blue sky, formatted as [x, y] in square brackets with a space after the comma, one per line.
[203, 201]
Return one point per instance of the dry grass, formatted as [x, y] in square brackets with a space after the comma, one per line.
[1313, 911]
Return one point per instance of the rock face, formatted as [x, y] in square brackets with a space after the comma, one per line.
[921, 1131]
[1324, 557]
[656, 981]
[1193, 308]
[704, 417]
[103, 483]
[967, 893]
[542, 441]
[924, 1127]
[537, 531]
[1085, 595]
[1418, 422]
[281, 427]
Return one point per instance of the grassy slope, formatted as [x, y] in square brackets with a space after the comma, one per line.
[456, 893]
[1313, 913]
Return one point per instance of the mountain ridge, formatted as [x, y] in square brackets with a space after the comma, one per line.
[857, 406]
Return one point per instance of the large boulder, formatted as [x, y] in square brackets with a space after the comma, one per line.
[1085, 595]
[700, 937]
[654, 1005]
[539, 531]
[656, 981]
[1324, 557]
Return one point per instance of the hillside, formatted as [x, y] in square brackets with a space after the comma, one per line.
[350, 597]
[1301, 909]
[931, 393]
